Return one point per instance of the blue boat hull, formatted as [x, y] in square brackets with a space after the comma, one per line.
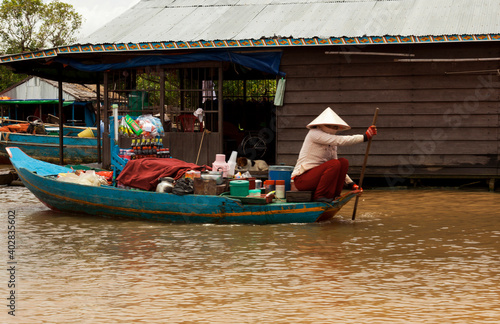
[77, 150]
[113, 202]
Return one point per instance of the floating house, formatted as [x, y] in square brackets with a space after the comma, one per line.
[431, 67]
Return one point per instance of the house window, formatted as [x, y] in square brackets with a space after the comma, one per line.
[191, 98]
[187, 90]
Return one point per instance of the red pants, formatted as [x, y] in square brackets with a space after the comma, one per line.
[326, 180]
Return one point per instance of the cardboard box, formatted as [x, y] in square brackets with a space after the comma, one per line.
[205, 186]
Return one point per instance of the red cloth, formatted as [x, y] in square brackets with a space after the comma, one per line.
[144, 173]
[326, 180]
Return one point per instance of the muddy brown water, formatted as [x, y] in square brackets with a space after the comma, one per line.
[411, 256]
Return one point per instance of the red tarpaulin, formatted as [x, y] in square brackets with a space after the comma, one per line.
[144, 173]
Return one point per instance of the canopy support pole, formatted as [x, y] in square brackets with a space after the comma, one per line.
[61, 128]
[106, 145]
[98, 93]
[221, 109]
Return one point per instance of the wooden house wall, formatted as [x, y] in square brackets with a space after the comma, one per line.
[430, 124]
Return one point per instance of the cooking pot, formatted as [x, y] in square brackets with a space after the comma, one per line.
[213, 175]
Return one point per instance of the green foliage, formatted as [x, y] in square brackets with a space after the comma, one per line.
[30, 25]
[151, 83]
[20, 21]
[60, 23]
[7, 78]
[249, 89]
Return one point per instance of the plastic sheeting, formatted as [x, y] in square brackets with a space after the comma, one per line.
[280, 92]
[263, 61]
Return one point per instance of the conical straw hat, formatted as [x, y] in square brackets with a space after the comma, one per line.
[329, 117]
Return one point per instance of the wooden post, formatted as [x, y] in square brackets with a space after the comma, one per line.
[162, 103]
[491, 184]
[61, 128]
[162, 97]
[220, 100]
[106, 146]
[98, 92]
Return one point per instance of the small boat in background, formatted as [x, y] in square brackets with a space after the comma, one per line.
[31, 101]
[7, 176]
[45, 146]
[109, 201]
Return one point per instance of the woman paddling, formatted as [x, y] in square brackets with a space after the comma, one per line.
[318, 168]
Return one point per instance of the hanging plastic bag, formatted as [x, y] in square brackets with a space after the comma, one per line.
[159, 126]
[151, 126]
[89, 178]
[124, 129]
[280, 92]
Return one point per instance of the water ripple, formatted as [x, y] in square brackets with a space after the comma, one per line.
[410, 257]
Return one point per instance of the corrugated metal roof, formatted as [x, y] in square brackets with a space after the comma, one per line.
[195, 20]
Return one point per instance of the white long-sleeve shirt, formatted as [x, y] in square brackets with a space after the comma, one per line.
[319, 147]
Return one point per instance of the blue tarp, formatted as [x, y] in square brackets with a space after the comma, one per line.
[263, 61]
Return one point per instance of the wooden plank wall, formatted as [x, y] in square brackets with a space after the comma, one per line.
[431, 123]
[185, 146]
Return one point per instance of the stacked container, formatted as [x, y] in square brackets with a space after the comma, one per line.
[281, 172]
[220, 164]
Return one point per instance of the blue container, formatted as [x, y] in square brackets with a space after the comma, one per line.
[281, 172]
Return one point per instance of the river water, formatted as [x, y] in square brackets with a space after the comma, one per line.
[411, 256]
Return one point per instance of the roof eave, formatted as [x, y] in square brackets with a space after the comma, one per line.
[263, 43]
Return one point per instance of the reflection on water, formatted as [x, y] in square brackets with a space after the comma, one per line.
[410, 257]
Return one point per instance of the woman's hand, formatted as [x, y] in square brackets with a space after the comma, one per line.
[353, 186]
[370, 132]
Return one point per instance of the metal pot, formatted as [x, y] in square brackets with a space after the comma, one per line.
[213, 175]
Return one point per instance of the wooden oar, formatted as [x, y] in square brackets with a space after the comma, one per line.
[201, 143]
[364, 166]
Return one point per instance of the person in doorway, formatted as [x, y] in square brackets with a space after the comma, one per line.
[318, 168]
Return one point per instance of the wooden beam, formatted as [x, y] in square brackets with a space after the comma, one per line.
[472, 59]
[367, 53]
[497, 71]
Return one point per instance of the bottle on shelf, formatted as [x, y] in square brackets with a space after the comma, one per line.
[132, 147]
[143, 148]
[154, 149]
[148, 148]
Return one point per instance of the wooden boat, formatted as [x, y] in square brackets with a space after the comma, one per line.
[40, 178]
[77, 150]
